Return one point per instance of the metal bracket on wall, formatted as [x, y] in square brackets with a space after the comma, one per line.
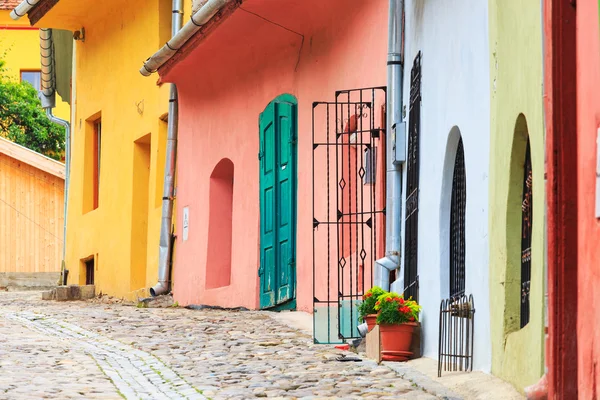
[399, 132]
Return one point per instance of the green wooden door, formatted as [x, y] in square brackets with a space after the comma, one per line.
[278, 133]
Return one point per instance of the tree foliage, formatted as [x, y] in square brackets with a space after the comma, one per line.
[24, 121]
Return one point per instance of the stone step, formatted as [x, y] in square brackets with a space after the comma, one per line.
[70, 293]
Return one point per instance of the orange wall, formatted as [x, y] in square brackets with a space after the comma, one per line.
[588, 121]
[31, 218]
[220, 103]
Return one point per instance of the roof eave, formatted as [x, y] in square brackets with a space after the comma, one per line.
[190, 36]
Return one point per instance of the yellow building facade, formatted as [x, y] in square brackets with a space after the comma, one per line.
[20, 49]
[119, 132]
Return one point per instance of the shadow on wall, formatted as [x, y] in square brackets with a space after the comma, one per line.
[218, 260]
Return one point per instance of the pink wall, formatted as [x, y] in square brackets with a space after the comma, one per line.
[588, 121]
[224, 85]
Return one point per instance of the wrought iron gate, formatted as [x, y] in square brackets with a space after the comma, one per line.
[526, 228]
[411, 223]
[458, 207]
[348, 176]
[456, 334]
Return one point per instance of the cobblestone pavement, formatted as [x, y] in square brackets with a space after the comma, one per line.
[111, 351]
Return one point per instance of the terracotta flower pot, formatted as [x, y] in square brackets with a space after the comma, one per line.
[371, 320]
[397, 338]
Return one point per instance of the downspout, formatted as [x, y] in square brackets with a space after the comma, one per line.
[23, 8]
[48, 99]
[164, 251]
[395, 147]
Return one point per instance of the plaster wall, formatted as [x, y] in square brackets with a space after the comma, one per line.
[588, 263]
[224, 85]
[516, 89]
[20, 49]
[122, 234]
[453, 39]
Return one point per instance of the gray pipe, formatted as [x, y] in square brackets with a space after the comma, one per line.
[396, 153]
[23, 8]
[164, 250]
[48, 99]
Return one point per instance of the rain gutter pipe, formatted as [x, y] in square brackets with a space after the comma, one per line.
[164, 251]
[182, 35]
[23, 8]
[48, 99]
[395, 147]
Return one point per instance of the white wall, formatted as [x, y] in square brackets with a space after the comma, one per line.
[453, 38]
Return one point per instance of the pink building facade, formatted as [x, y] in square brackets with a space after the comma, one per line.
[255, 75]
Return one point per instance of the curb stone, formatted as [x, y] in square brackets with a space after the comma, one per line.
[423, 381]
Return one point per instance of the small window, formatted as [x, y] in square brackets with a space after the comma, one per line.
[33, 77]
[92, 162]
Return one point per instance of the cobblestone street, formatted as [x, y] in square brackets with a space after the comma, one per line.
[110, 351]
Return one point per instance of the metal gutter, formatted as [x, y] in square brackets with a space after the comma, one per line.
[396, 151]
[48, 99]
[165, 245]
[201, 17]
[22, 9]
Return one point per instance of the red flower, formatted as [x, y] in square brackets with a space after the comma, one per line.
[377, 303]
[369, 294]
[412, 319]
[401, 301]
[405, 310]
[388, 299]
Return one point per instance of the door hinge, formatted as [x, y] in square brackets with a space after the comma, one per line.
[292, 263]
[261, 154]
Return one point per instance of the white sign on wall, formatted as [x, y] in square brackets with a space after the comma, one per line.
[186, 223]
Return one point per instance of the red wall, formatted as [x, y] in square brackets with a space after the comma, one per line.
[588, 121]
[224, 85]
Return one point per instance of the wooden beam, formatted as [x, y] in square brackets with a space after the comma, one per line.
[560, 86]
[39, 10]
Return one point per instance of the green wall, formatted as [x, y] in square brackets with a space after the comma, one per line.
[516, 111]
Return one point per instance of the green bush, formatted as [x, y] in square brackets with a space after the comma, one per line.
[24, 121]
[367, 306]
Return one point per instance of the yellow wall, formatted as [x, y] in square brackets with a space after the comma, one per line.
[516, 87]
[21, 50]
[123, 232]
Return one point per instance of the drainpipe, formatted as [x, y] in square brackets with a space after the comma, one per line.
[23, 8]
[165, 249]
[396, 150]
[48, 99]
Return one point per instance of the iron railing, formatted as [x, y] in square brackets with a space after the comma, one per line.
[527, 230]
[348, 179]
[456, 334]
[411, 222]
[457, 224]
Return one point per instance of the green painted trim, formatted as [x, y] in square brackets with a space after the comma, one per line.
[287, 306]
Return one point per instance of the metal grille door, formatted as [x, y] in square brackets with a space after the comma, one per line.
[458, 207]
[527, 229]
[348, 206]
[411, 227]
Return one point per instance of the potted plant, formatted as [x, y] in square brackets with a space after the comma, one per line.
[397, 319]
[366, 309]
